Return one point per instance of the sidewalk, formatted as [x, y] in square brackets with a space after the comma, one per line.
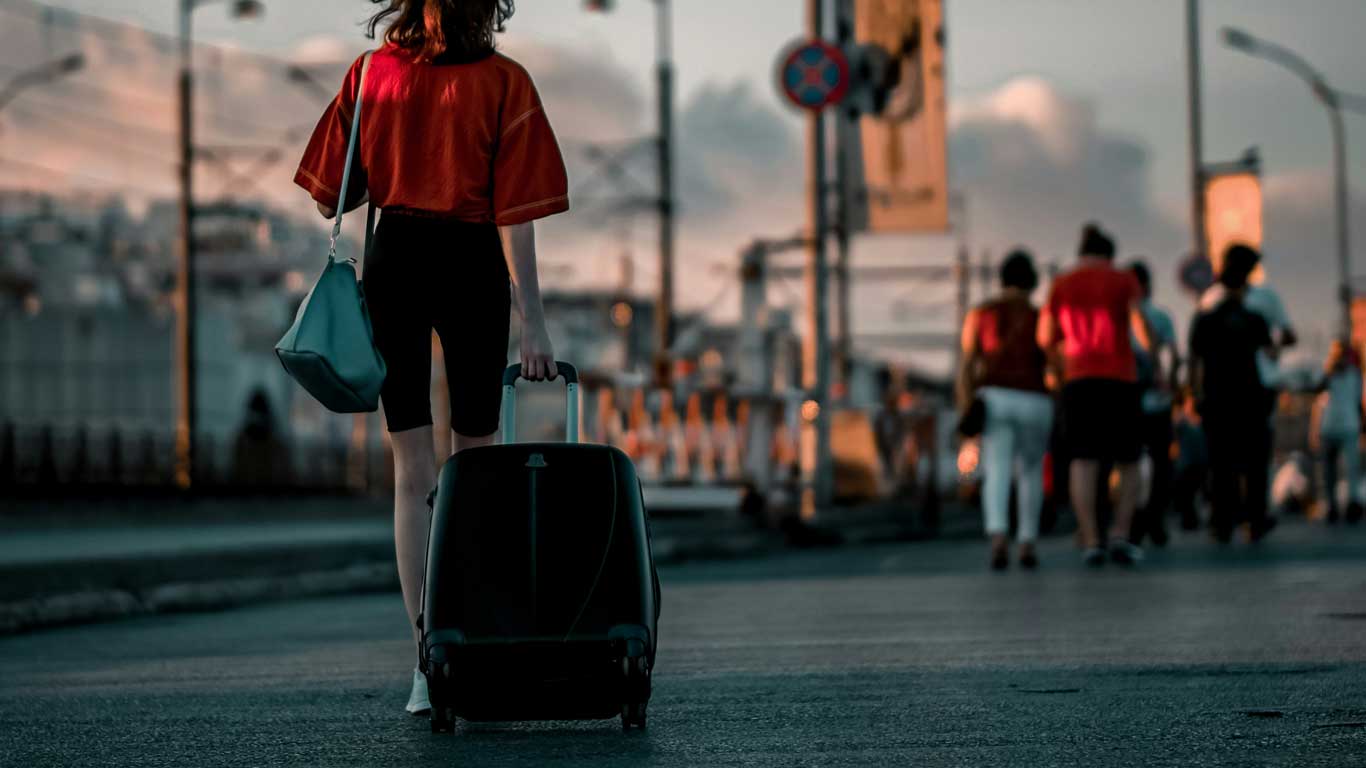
[72, 563]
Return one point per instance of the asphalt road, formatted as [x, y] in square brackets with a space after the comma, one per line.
[896, 655]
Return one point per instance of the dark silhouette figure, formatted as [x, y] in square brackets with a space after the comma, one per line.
[1234, 406]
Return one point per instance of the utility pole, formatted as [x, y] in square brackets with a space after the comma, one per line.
[844, 34]
[186, 394]
[185, 385]
[664, 308]
[666, 203]
[816, 347]
[1200, 247]
[1342, 202]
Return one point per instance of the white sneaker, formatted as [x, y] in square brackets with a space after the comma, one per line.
[418, 703]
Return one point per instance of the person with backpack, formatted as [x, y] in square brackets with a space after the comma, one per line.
[457, 152]
[1087, 322]
[1003, 370]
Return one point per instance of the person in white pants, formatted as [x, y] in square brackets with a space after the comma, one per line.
[1013, 446]
[1003, 368]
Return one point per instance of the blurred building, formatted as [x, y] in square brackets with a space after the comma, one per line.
[86, 323]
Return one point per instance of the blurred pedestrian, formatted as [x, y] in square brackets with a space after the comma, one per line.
[456, 150]
[1191, 471]
[1262, 299]
[1234, 406]
[1087, 322]
[1335, 433]
[1155, 368]
[1003, 369]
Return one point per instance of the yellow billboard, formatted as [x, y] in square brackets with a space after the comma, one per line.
[1233, 213]
[904, 164]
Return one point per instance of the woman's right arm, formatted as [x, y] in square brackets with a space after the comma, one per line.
[519, 250]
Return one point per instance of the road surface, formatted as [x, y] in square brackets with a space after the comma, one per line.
[895, 655]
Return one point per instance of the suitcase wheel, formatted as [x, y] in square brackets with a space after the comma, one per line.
[633, 715]
[635, 671]
[443, 720]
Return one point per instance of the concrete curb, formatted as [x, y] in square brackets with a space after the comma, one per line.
[105, 605]
[96, 605]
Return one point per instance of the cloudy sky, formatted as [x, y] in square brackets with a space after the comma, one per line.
[1062, 111]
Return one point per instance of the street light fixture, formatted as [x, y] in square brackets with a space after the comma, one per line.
[47, 73]
[300, 76]
[1333, 101]
[246, 9]
[185, 266]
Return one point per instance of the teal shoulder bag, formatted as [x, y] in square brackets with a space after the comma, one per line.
[330, 348]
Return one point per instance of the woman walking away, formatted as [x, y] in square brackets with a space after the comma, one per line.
[1336, 431]
[456, 151]
[1003, 366]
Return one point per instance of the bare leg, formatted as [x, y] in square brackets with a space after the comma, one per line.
[461, 442]
[1084, 480]
[1130, 480]
[414, 478]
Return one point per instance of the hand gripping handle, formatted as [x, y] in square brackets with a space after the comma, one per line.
[569, 373]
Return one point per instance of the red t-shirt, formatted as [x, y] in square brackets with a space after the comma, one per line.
[464, 141]
[1091, 305]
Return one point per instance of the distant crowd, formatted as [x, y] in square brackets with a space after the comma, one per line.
[1094, 378]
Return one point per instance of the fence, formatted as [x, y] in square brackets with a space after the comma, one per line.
[705, 439]
[55, 461]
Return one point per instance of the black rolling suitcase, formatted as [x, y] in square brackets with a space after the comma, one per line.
[540, 600]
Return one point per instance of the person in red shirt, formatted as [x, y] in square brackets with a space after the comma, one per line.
[457, 152]
[1087, 322]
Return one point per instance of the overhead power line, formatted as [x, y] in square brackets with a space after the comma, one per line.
[61, 173]
[115, 32]
[95, 137]
[151, 99]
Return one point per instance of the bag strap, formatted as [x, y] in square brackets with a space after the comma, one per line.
[346, 173]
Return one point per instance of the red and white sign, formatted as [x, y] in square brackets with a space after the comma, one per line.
[814, 75]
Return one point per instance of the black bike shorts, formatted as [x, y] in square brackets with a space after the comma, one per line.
[1102, 419]
[427, 273]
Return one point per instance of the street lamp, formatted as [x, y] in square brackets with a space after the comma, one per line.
[185, 267]
[1333, 101]
[664, 307]
[49, 72]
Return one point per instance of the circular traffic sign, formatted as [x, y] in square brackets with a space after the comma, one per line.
[814, 75]
[1196, 274]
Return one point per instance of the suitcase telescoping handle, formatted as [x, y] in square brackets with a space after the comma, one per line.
[569, 374]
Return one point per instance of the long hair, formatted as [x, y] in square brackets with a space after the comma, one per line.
[429, 28]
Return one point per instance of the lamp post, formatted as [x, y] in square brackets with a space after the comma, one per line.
[1332, 101]
[1194, 116]
[40, 75]
[664, 73]
[185, 267]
